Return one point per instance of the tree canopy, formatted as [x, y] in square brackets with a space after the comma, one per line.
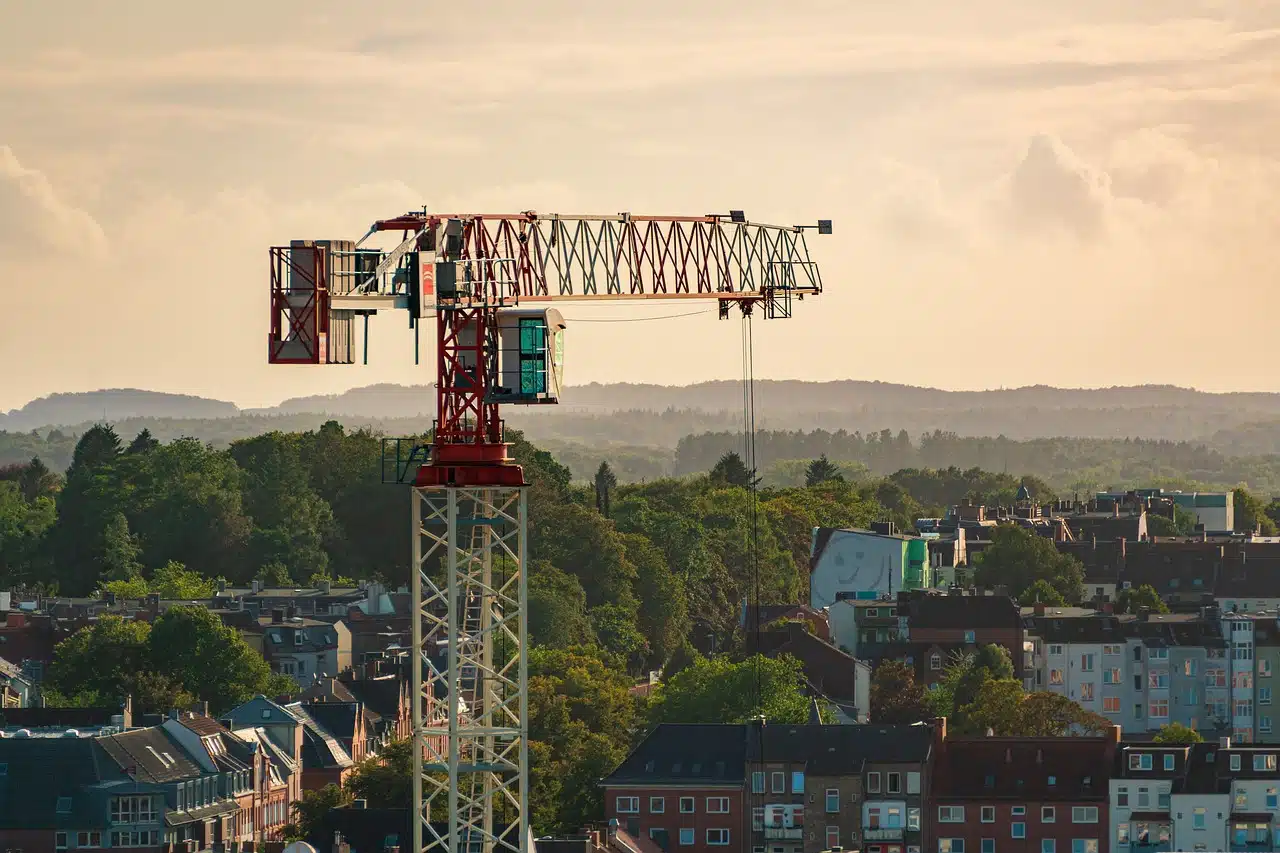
[1017, 558]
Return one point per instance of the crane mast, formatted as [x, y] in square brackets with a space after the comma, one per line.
[491, 281]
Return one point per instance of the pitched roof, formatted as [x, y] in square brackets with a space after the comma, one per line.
[839, 750]
[958, 611]
[41, 771]
[1044, 769]
[338, 718]
[380, 695]
[684, 754]
[154, 756]
[319, 747]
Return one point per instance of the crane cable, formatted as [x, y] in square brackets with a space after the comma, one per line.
[749, 461]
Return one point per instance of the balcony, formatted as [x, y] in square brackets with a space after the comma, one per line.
[778, 833]
[895, 833]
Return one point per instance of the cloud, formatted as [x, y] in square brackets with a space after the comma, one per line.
[1053, 188]
[35, 218]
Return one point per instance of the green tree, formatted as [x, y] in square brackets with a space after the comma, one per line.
[1017, 558]
[309, 812]
[386, 779]
[1003, 707]
[730, 470]
[119, 549]
[662, 616]
[716, 690]
[209, 658]
[1177, 734]
[1132, 600]
[99, 659]
[821, 470]
[605, 482]
[274, 575]
[1183, 523]
[557, 608]
[1251, 514]
[896, 697]
[142, 442]
[98, 447]
[23, 525]
[1042, 592]
[37, 481]
[134, 587]
[173, 581]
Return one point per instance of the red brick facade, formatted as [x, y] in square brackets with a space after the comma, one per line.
[673, 809]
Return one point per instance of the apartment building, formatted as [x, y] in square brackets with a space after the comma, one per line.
[815, 787]
[993, 794]
[1205, 796]
[865, 564]
[683, 787]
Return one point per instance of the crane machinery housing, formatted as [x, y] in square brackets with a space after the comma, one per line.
[492, 282]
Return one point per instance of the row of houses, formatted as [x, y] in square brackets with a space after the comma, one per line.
[75, 779]
[771, 788]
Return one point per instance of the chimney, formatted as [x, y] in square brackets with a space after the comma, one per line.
[1224, 743]
[257, 585]
[1039, 608]
[940, 731]
[359, 804]
[1144, 614]
[1108, 608]
[324, 587]
[222, 585]
[111, 599]
[153, 601]
[293, 609]
[277, 615]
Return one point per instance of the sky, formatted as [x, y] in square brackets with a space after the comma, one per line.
[1023, 191]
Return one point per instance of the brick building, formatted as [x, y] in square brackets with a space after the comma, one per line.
[683, 787]
[932, 627]
[1026, 795]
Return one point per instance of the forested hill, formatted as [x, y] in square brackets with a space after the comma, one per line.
[1165, 412]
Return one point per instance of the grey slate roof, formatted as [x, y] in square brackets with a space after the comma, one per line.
[156, 757]
[320, 749]
[38, 771]
[677, 754]
[828, 750]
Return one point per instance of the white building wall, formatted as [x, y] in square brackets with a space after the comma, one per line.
[856, 561]
[1215, 809]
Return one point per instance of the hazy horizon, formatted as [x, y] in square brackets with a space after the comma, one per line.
[1024, 193]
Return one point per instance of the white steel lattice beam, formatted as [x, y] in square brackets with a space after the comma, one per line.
[470, 636]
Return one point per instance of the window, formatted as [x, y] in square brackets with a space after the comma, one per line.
[1086, 692]
[1243, 707]
[1264, 695]
[833, 836]
[687, 837]
[64, 805]
[1215, 678]
[913, 782]
[1111, 650]
[1168, 761]
[1048, 814]
[1158, 679]
[1241, 802]
[757, 782]
[1264, 725]
[628, 805]
[89, 839]
[913, 819]
[1189, 667]
[778, 784]
[142, 838]
[686, 806]
[1122, 794]
[1055, 676]
[833, 800]
[1084, 814]
[1112, 675]
[1197, 818]
[1086, 663]
[797, 782]
[1144, 797]
[1019, 811]
[757, 818]
[1158, 709]
[718, 837]
[657, 805]
[950, 845]
[1018, 829]
[1048, 845]
[60, 840]
[1264, 668]
[132, 810]
[1272, 800]
[1111, 704]
[1122, 833]
[895, 783]
[1242, 680]
[988, 845]
[1084, 845]
[988, 814]
[970, 638]
[1158, 654]
[950, 814]
[935, 662]
[717, 805]
[1055, 649]
[873, 783]
[1265, 761]
[1140, 761]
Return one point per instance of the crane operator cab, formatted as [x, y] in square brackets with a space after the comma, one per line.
[530, 356]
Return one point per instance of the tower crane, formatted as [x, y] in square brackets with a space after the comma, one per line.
[492, 282]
